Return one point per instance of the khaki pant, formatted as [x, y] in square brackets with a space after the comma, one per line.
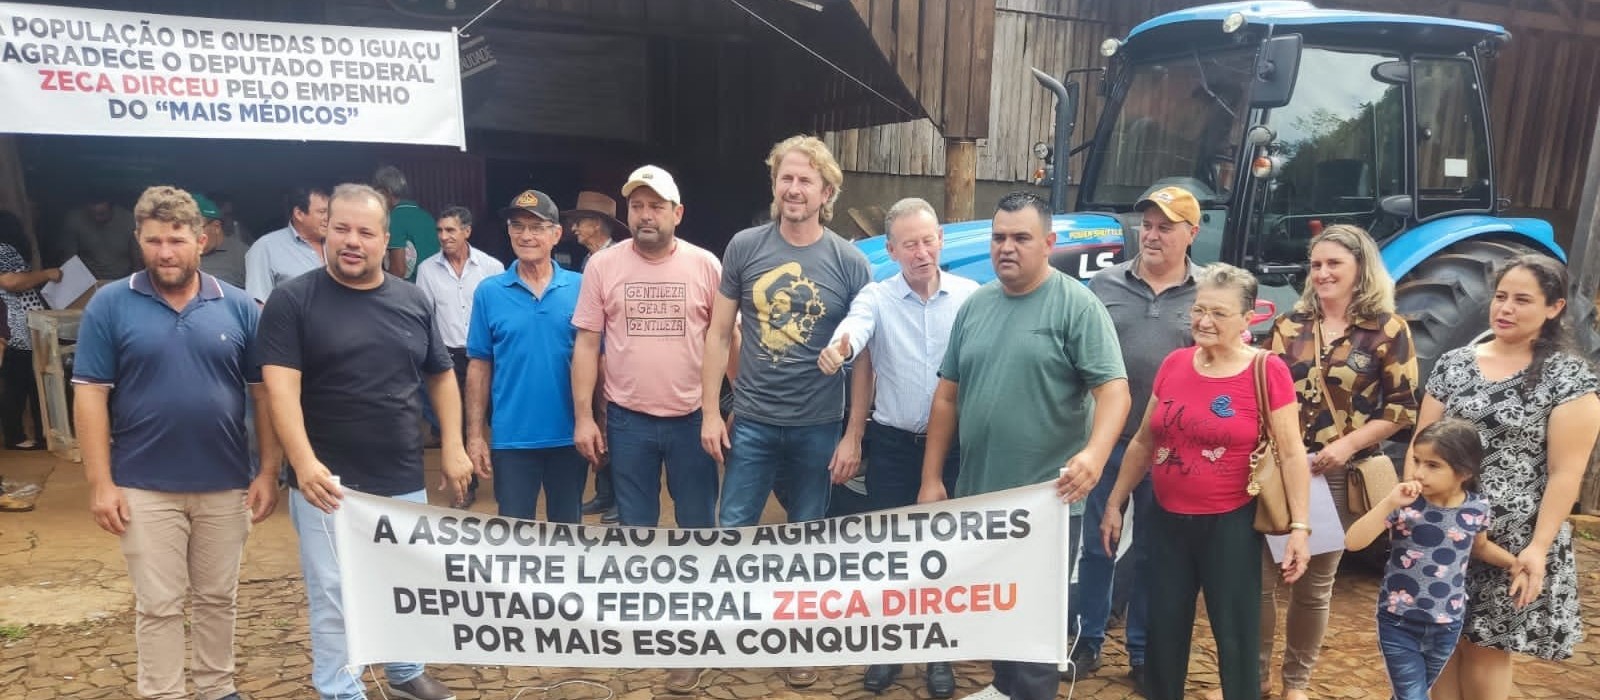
[1307, 619]
[185, 547]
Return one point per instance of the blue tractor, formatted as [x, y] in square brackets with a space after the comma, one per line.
[1283, 118]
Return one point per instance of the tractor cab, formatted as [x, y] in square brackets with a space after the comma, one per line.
[1283, 118]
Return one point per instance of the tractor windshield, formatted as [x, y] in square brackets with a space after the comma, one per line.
[1179, 122]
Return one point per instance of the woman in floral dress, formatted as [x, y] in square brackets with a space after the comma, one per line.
[1535, 406]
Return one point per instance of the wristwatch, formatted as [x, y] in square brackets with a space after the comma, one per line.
[1300, 526]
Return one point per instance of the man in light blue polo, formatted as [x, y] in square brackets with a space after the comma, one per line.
[291, 251]
[519, 344]
[161, 383]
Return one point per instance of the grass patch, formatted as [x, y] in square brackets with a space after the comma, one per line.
[12, 633]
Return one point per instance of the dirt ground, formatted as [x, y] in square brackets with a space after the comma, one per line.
[66, 625]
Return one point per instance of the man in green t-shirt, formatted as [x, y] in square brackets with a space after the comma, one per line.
[1042, 391]
[413, 235]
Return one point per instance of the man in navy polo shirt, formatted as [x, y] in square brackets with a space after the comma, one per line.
[519, 345]
[345, 354]
[161, 373]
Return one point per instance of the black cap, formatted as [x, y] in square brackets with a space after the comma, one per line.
[533, 202]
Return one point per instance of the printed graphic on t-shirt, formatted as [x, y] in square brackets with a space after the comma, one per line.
[788, 306]
[1195, 441]
[656, 309]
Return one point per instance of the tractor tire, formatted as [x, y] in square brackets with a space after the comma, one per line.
[1446, 298]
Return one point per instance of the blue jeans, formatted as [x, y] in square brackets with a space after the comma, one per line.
[1415, 652]
[640, 443]
[519, 476]
[1096, 569]
[894, 466]
[319, 564]
[791, 461]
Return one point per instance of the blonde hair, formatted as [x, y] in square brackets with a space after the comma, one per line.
[1373, 296]
[1225, 276]
[821, 158]
[169, 205]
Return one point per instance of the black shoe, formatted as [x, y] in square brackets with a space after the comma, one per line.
[941, 680]
[880, 676]
[598, 505]
[1084, 664]
[610, 516]
[1136, 674]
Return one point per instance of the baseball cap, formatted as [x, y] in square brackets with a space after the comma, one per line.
[1177, 203]
[656, 179]
[208, 208]
[534, 202]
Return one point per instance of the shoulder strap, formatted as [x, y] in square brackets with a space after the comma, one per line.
[1258, 368]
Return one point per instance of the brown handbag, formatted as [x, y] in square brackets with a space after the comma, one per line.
[1368, 482]
[1266, 474]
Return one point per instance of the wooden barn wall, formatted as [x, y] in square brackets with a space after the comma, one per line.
[1542, 128]
[1051, 35]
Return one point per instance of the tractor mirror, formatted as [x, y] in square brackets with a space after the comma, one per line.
[1399, 206]
[1277, 66]
[1392, 72]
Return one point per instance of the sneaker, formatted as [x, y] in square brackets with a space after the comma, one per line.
[1084, 664]
[423, 687]
[989, 692]
[598, 505]
[610, 517]
[684, 680]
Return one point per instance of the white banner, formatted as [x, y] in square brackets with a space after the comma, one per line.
[79, 71]
[977, 578]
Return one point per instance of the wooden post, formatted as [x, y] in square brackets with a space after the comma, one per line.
[1585, 266]
[960, 178]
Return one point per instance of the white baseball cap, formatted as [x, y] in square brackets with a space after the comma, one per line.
[656, 179]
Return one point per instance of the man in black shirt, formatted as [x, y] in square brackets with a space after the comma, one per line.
[346, 351]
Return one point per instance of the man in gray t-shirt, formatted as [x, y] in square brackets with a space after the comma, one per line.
[791, 282]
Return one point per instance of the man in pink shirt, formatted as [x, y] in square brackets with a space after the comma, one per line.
[648, 301]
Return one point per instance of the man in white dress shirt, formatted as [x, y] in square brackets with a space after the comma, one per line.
[896, 333]
[448, 278]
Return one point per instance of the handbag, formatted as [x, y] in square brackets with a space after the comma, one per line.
[1368, 482]
[1266, 473]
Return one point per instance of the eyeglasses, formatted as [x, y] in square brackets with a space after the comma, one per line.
[542, 228]
[1217, 315]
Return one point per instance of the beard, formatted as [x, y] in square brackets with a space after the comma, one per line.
[174, 280]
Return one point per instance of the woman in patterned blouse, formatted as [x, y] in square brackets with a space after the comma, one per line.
[1536, 409]
[1355, 375]
[19, 285]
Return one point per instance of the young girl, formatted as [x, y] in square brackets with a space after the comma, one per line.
[1436, 521]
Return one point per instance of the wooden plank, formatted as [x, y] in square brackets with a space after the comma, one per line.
[982, 68]
[882, 26]
[846, 152]
[908, 34]
[958, 68]
[932, 60]
[863, 10]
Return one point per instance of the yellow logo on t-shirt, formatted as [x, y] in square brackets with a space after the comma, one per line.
[788, 306]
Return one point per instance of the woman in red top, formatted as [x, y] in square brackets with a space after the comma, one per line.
[1195, 439]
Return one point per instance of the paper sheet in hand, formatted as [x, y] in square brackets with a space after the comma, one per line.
[75, 280]
[1327, 533]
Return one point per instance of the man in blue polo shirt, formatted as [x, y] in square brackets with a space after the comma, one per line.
[519, 345]
[165, 453]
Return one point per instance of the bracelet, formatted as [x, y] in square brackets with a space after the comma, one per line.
[1300, 526]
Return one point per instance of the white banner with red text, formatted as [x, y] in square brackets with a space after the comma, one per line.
[81, 71]
[983, 577]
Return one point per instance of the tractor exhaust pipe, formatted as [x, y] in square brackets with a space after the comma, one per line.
[1061, 148]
